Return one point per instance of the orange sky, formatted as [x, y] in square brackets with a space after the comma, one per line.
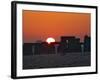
[39, 25]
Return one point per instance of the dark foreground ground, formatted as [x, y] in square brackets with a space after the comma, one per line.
[56, 60]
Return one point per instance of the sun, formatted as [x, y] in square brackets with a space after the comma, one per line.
[50, 40]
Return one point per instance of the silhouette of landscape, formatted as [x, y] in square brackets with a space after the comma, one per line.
[68, 52]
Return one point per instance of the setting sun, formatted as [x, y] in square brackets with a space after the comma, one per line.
[50, 40]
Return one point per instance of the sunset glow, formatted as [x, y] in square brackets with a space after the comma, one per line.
[50, 40]
[38, 25]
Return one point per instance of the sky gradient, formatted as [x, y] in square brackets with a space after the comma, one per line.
[39, 25]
